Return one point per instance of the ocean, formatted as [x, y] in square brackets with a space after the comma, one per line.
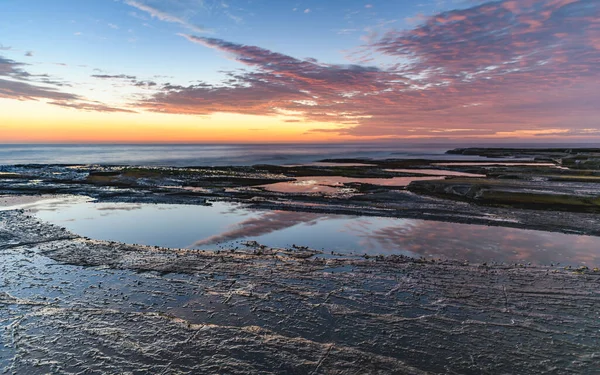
[181, 155]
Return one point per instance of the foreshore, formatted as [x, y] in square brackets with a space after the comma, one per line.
[71, 304]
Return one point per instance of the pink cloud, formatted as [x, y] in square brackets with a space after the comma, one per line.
[494, 68]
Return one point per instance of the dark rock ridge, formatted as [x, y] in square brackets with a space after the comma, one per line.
[578, 158]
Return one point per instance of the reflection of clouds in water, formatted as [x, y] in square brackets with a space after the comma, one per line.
[335, 184]
[48, 207]
[119, 208]
[361, 228]
[235, 210]
[165, 207]
[364, 224]
[267, 223]
[436, 172]
[483, 244]
[113, 209]
[378, 239]
[45, 209]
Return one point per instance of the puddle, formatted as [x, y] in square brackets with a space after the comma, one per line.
[12, 202]
[436, 172]
[496, 163]
[228, 226]
[329, 164]
[335, 184]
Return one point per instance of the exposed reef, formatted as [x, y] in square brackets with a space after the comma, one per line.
[576, 158]
[536, 193]
[570, 182]
[74, 305]
[70, 304]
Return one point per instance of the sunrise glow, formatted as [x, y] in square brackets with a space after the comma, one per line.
[213, 71]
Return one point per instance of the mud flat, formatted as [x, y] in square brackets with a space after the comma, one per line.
[74, 305]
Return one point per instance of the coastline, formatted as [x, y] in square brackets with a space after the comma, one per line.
[77, 304]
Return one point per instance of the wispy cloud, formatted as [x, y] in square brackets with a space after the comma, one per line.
[114, 76]
[129, 78]
[12, 68]
[528, 66]
[279, 83]
[26, 91]
[18, 84]
[165, 16]
[91, 106]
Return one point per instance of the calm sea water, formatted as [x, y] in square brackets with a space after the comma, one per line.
[219, 155]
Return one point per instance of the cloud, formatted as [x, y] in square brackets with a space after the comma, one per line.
[497, 38]
[346, 31]
[264, 224]
[18, 84]
[25, 91]
[280, 82]
[8, 65]
[145, 84]
[13, 69]
[500, 68]
[165, 16]
[234, 18]
[132, 79]
[91, 106]
[117, 76]
[303, 72]
[29, 54]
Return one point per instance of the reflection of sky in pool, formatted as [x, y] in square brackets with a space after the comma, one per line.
[227, 224]
[436, 172]
[334, 184]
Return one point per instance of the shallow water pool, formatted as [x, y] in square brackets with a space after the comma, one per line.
[228, 225]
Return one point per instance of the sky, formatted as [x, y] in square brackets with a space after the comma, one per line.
[299, 71]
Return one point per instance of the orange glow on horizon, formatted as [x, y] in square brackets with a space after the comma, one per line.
[38, 122]
[27, 122]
